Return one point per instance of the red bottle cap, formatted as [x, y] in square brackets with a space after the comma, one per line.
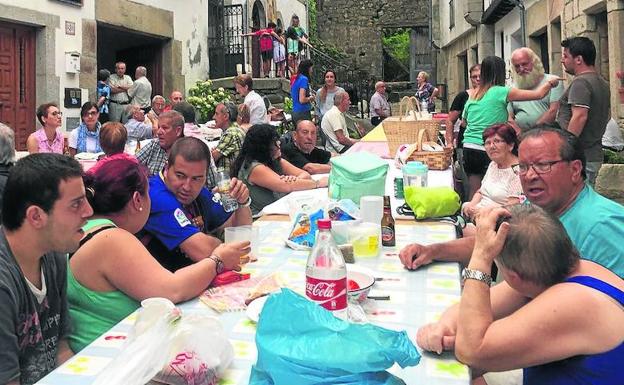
[324, 224]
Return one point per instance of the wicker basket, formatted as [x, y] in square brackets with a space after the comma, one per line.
[404, 129]
[435, 160]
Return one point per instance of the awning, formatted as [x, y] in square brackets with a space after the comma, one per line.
[497, 10]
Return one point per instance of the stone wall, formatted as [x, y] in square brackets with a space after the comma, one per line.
[356, 26]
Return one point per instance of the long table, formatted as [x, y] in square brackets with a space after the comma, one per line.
[416, 298]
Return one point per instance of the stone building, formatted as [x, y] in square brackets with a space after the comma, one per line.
[470, 30]
[51, 50]
[356, 26]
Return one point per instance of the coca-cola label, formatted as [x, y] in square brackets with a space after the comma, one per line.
[332, 295]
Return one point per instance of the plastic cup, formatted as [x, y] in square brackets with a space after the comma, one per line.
[152, 310]
[223, 187]
[238, 234]
[365, 238]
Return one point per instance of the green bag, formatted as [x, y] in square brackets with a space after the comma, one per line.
[432, 202]
[353, 176]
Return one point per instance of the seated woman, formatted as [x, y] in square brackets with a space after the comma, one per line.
[86, 137]
[111, 272]
[243, 118]
[266, 174]
[49, 138]
[501, 183]
[557, 316]
[113, 138]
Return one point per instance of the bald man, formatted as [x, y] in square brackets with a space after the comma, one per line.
[141, 90]
[175, 98]
[379, 106]
[302, 151]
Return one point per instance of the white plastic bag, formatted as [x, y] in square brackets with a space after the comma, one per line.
[169, 347]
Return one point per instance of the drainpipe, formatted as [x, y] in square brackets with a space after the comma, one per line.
[522, 8]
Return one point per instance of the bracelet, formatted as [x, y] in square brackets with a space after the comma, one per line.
[477, 275]
[246, 204]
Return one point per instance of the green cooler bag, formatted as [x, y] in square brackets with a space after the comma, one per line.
[353, 176]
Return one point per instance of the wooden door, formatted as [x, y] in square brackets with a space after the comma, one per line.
[148, 56]
[17, 81]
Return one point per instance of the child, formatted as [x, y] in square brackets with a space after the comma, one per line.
[279, 53]
[103, 94]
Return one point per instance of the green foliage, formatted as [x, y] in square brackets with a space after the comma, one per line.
[612, 157]
[397, 42]
[205, 99]
[327, 48]
[288, 105]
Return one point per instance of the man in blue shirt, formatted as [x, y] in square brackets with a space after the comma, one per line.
[552, 175]
[184, 213]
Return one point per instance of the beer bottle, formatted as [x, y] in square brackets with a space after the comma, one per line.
[388, 236]
[66, 146]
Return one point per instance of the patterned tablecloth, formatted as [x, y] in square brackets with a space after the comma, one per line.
[416, 298]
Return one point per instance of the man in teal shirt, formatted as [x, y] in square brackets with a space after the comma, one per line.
[552, 176]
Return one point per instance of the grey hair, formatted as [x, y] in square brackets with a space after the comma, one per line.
[7, 144]
[232, 111]
[570, 149]
[339, 96]
[158, 97]
[142, 70]
[537, 247]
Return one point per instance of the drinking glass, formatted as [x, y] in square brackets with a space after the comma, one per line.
[228, 202]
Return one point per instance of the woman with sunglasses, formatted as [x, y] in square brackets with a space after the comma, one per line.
[267, 175]
[501, 183]
[86, 137]
[49, 138]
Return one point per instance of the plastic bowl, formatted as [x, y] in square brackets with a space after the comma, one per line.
[364, 280]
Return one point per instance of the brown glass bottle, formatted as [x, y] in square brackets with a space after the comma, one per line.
[388, 236]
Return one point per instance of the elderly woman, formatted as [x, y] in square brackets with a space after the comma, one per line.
[325, 94]
[113, 137]
[49, 137]
[425, 91]
[107, 275]
[243, 118]
[86, 137]
[261, 167]
[555, 315]
[501, 183]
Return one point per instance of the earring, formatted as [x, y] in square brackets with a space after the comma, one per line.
[140, 208]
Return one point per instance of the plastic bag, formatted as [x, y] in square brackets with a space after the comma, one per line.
[322, 349]
[303, 230]
[169, 347]
[432, 202]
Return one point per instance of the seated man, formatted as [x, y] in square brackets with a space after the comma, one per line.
[334, 125]
[552, 177]
[302, 151]
[138, 126]
[43, 212]
[232, 138]
[175, 98]
[154, 154]
[557, 316]
[184, 212]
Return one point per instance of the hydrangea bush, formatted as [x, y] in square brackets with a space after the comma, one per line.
[205, 99]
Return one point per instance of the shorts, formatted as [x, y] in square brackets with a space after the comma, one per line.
[476, 162]
[267, 55]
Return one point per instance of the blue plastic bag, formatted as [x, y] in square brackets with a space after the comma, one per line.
[301, 343]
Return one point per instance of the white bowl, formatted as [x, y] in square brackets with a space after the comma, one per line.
[365, 280]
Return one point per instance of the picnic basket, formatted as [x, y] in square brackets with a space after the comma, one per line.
[403, 129]
[435, 160]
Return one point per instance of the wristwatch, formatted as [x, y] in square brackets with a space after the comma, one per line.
[218, 263]
[478, 275]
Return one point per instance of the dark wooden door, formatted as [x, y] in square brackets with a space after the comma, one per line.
[17, 81]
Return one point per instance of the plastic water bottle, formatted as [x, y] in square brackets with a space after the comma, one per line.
[326, 273]
[424, 106]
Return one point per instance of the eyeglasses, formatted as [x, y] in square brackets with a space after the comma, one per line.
[538, 167]
[90, 113]
[494, 142]
[56, 113]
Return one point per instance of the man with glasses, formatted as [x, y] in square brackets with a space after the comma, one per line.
[529, 74]
[553, 177]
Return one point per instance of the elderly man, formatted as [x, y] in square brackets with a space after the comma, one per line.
[557, 316]
[7, 154]
[154, 154]
[232, 138]
[552, 177]
[119, 83]
[257, 109]
[43, 211]
[175, 98]
[138, 126]
[529, 75]
[585, 107]
[302, 151]
[334, 125]
[141, 90]
[184, 212]
[379, 106]
[158, 106]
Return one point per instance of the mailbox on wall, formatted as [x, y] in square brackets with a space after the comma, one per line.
[72, 62]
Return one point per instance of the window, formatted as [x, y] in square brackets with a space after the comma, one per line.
[451, 14]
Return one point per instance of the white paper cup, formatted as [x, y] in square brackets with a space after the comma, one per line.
[238, 234]
[371, 208]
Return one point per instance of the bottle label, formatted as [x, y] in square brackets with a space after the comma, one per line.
[387, 235]
[332, 295]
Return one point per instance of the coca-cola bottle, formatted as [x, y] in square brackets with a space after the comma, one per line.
[326, 273]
